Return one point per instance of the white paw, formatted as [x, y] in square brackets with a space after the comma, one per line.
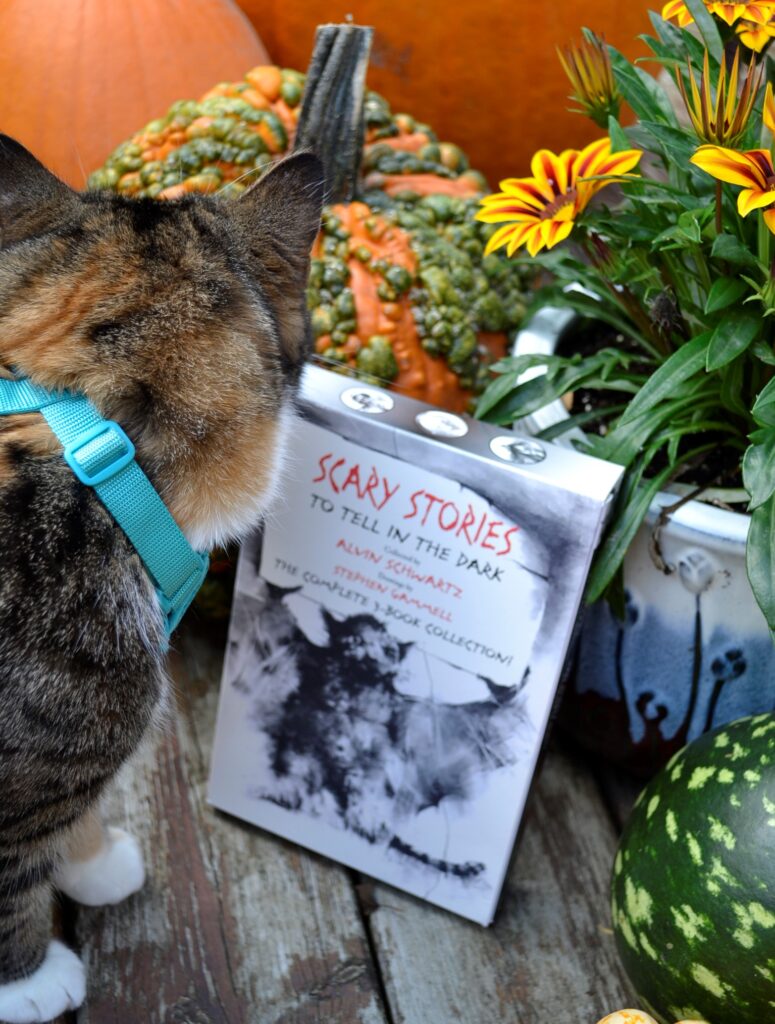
[59, 984]
[109, 877]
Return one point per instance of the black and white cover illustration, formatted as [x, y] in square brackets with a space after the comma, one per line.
[384, 695]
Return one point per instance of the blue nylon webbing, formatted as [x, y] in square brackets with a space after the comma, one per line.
[102, 457]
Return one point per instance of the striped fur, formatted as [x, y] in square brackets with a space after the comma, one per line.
[186, 323]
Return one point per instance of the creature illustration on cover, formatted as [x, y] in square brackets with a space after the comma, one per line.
[185, 322]
[348, 745]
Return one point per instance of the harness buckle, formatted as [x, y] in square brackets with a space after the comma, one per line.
[99, 453]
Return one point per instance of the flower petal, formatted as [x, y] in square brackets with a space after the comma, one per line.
[517, 215]
[556, 231]
[754, 36]
[769, 219]
[677, 9]
[535, 241]
[617, 163]
[528, 186]
[727, 12]
[529, 191]
[729, 165]
[758, 11]
[769, 108]
[526, 233]
[547, 166]
[753, 199]
[499, 238]
[590, 156]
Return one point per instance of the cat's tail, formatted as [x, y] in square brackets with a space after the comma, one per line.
[465, 871]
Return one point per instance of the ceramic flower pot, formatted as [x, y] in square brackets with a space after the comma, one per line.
[693, 650]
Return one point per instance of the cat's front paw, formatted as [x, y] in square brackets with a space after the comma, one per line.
[59, 984]
[109, 876]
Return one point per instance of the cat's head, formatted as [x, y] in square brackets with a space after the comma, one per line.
[183, 320]
[364, 645]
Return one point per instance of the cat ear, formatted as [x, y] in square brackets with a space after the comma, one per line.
[282, 210]
[32, 199]
[332, 624]
[276, 593]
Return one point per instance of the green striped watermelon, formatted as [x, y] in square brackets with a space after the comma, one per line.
[693, 892]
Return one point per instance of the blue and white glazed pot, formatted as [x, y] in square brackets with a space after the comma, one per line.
[694, 650]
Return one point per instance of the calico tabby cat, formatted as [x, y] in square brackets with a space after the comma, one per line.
[186, 323]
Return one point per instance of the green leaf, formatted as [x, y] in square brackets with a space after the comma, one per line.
[533, 394]
[631, 511]
[763, 350]
[760, 558]
[707, 27]
[759, 471]
[644, 94]
[731, 338]
[674, 143]
[731, 249]
[664, 382]
[764, 407]
[732, 388]
[724, 291]
[677, 39]
[616, 133]
[519, 364]
[625, 440]
[509, 371]
[681, 197]
[522, 399]
[686, 231]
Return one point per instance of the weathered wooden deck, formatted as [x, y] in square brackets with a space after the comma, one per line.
[235, 926]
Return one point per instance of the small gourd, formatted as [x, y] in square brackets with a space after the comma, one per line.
[637, 1017]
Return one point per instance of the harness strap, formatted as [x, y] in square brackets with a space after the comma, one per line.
[103, 458]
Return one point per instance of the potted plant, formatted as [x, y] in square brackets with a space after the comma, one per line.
[678, 383]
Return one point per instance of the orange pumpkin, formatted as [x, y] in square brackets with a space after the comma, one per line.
[78, 76]
[484, 76]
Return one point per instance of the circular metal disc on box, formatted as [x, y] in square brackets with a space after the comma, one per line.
[442, 424]
[523, 450]
[367, 400]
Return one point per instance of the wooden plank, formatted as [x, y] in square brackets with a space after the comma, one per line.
[233, 926]
[620, 791]
[550, 955]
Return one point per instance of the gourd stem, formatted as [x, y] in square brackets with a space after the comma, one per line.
[331, 121]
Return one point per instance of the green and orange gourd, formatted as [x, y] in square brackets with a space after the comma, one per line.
[400, 291]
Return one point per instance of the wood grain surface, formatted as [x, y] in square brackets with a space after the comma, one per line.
[235, 926]
[232, 927]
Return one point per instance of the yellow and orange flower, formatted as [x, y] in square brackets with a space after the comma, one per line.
[757, 11]
[752, 169]
[677, 9]
[755, 36]
[540, 211]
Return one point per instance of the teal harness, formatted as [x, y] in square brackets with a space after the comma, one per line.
[103, 458]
